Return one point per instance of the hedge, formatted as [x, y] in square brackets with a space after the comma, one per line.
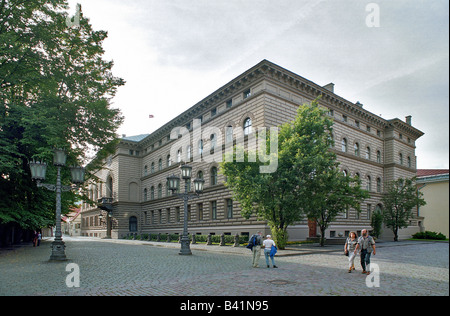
[429, 235]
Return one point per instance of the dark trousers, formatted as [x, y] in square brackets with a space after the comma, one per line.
[365, 258]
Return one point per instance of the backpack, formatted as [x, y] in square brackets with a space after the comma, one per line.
[252, 242]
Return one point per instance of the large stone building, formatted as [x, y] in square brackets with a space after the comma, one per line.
[267, 95]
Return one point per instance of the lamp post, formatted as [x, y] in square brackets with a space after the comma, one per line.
[174, 184]
[38, 171]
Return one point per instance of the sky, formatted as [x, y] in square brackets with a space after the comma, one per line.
[392, 56]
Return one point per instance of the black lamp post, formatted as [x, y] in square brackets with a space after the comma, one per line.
[38, 171]
[174, 184]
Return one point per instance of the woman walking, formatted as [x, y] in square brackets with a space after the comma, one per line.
[268, 244]
[349, 249]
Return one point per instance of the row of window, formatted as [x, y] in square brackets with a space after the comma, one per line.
[357, 151]
[213, 181]
[247, 129]
[165, 216]
[229, 103]
[368, 182]
[368, 153]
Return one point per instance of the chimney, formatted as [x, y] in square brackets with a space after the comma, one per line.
[409, 120]
[329, 87]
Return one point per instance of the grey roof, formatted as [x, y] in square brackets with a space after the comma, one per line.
[136, 138]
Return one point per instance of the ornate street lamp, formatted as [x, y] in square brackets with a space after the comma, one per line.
[38, 171]
[174, 183]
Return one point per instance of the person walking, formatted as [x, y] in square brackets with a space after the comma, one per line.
[35, 237]
[366, 244]
[256, 240]
[39, 238]
[349, 249]
[268, 244]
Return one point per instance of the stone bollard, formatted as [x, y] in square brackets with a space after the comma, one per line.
[194, 240]
[158, 238]
[168, 237]
[208, 240]
[222, 240]
[236, 240]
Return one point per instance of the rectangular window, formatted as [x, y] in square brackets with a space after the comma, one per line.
[213, 112]
[229, 103]
[214, 210]
[247, 94]
[344, 118]
[229, 203]
[200, 211]
[177, 214]
[369, 211]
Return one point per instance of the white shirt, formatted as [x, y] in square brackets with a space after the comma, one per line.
[268, 243]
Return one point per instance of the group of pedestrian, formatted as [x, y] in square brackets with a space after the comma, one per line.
[37, 237]
[365, 244]
[256, 242]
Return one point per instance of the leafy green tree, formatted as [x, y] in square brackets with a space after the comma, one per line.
[307, 181]
[399, 202]
[377, 223]
[55, 91]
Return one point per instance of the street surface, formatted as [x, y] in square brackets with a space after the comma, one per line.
[122, 267]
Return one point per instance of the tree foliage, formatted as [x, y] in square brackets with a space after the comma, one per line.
[399, 201]
[307, 182]
[55, 91]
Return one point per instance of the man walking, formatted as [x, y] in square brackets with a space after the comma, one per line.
[367, 245]
[256, 240]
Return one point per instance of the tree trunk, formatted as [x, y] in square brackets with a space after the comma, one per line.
[396, 234]
[322, 236]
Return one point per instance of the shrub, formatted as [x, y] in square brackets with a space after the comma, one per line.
[429, 235]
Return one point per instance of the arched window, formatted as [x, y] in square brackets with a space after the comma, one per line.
[213, 139]
[378, 156]
[400, 158]
[247, 126]
[369, 183]
[160, 164]
[109, 187]
[356, 147]
[213, 175]
[152, 168]
[159, 191]
[229, 134]
[188, 152]
[168, 161]
[200, 174]
[200, 146]
[145, 170]
[368, 153]
[379, 185]
[409, 162]
[133, 224]
[145, 194]
[152, 193]
[344, 145]
[179, 155]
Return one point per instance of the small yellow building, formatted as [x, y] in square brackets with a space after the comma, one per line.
[434, 186]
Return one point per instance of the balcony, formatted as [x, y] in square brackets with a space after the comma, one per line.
[105, 203]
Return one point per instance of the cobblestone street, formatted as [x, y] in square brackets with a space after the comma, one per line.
[142, 268]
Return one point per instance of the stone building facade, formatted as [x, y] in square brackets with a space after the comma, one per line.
[267, 95]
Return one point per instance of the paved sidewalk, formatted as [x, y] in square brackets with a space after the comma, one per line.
[129, 267]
